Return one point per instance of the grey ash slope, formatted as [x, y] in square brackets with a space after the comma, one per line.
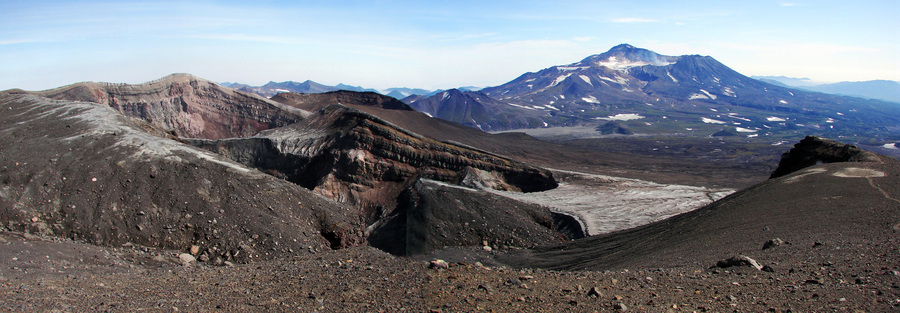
[850, 207]
[84, 171]
[687, 94]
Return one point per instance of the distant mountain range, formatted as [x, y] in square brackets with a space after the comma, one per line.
[649, 93]
[886, 90]
[273, 88]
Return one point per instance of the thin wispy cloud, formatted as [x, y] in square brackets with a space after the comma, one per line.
[244, 37]
[17, 41]
[633, 20]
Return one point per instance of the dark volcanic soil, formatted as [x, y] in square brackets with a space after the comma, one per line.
[46, 275]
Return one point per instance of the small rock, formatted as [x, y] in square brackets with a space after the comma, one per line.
[594, 292]
[485, 288]
[814, 282]
[514, 282]
[487, 248]
[740, 260]
[438, 264]
[773, 243]
[620, 306]
[195, 249]
[768, 269]
[186, 258]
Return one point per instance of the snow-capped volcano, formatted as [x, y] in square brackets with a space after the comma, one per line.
[675, 94]
[624, 56]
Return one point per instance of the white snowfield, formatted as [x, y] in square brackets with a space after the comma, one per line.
[621, 117]
[605, 204]
[624, 64]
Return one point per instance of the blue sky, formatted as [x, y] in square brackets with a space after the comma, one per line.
[430, 44]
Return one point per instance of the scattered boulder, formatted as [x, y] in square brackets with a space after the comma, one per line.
[438, 264]
[594, 292]
[740, 260]
[814, 150]
[773, 243]
[186, 258]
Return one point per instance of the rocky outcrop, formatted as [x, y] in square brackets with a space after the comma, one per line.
[356, 158]
[185, 106]
[814, 150]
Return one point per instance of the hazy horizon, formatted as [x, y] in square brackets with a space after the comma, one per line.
[430, 45]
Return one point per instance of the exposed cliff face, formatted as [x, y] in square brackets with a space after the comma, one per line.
[185, 105]
[355, 158]
[814, 150]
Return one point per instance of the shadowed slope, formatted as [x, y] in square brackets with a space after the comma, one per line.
[851, 204]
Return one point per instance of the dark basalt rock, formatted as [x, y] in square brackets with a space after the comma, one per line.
[814, 150]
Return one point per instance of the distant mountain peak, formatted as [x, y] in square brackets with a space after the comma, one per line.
[625, 56]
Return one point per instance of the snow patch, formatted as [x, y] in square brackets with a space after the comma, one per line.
[672, 77]
[711, 96]
[621, 65]
[429, 115]
[711, 121]
[445, 96]
[734, 116]
[621, 117]
[618, 79]
[728, 92]
[590, 99]
[520, 106]
[606, 203]
[744, 130]
[782, 102]
[890, 146]
[695, 96]
[559, 79]
[571, 68]
[830, 120]
[775, 119]
[586, 79]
